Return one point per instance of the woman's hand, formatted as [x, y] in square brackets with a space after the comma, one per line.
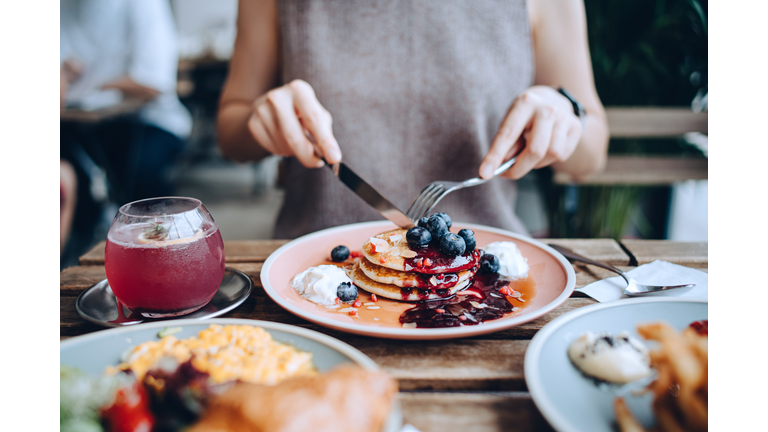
[542, 122]
[282, 115]
[131, 89]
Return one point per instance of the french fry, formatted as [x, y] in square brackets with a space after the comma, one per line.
[693, 410]
[681, 387]
[685, 363]
[624, 417]
[666, 418]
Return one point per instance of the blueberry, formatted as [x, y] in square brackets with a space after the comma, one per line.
[418, 237]
[346, 292]
[451, 244]
[469, 239]
[423, 222]
[446, 218]
[437, 227]
[340, 253]
[489, 263]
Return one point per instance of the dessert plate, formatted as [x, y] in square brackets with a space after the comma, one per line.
[98, 304]
[550, 272]
[94, 352]
[569, 400]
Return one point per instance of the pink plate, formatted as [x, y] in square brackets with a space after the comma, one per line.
[550, 273]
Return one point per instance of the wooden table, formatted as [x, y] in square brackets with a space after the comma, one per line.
[474, 383]
[125, 107]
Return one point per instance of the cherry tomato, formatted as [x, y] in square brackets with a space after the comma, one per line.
[130, 411]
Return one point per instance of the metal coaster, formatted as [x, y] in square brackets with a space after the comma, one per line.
[98, 304]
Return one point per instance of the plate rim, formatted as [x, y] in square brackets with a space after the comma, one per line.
[531, 369]
[417, 333]
[219, 312]
[348, 350]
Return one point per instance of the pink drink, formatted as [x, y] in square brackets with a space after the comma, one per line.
[166, 277]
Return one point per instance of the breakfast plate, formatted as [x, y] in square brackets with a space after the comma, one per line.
[98, 304]
[94, 352]
[551, 276]
[571, 401]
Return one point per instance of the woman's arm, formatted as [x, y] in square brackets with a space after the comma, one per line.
[563, 60]
[254, 118]
[253, 70]
[544, 118]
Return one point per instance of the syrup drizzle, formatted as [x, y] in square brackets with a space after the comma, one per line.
[459, 310]
[429, 260]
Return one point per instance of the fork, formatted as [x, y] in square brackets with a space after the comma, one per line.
[435, 191]
[633, 287]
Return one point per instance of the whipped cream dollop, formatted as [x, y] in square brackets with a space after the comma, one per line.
[614, 358]
[320, 284]
[511, 262]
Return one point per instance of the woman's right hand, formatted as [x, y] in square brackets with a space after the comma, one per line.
[283, 116]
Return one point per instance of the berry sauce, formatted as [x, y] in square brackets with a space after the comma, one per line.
[459, 310]
[701, 327]
[424, 293]
[429, 260]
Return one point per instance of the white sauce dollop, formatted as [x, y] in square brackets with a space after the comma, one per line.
[617, 359]
[512, 263]
[320, 284]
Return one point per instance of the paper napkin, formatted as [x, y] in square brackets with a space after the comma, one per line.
[655, 273]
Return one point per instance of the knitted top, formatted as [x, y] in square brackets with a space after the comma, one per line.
[417, 90]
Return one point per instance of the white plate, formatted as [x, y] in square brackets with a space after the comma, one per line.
[550, 271]
[569, 400]
[94, 352]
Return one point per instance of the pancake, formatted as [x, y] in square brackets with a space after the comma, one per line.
[393, 252]
[395, 292]
[413, 280]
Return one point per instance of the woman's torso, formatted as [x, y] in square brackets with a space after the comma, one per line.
[417, 90]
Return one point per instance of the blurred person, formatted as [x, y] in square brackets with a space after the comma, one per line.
[67, 201]
[410, 92]
[111, 50]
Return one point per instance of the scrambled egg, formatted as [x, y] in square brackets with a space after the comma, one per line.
[226, 353]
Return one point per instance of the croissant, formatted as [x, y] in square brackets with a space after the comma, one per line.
[347, 398]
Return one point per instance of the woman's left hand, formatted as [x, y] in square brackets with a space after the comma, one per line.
[542, 121]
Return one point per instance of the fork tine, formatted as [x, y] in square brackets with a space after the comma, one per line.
[413, 210]
[429, 201]
[435, 200]
[426, 201]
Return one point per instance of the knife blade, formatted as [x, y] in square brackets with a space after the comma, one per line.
[370, 195]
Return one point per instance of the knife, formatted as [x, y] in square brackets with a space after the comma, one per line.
[370, 195]
[362, 189]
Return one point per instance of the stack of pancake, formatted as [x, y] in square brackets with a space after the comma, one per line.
[390, 268]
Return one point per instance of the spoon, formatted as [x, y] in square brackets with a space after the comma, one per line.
[633, 287]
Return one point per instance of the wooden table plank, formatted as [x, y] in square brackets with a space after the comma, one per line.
[625, 122]
[691, 254]
[73, 280]
[475, 412]
[235, 251]
[606, 250]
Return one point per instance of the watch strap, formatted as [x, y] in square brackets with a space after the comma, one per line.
[578, 108]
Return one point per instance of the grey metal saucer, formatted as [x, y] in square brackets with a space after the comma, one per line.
[98, 304]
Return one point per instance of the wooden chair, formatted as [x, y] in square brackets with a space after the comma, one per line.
[652, 122]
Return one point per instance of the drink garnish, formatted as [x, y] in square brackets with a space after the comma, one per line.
[157, 232]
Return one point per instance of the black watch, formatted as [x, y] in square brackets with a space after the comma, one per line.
[578, 108]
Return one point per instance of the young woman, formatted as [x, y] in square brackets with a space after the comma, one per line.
[410, 92]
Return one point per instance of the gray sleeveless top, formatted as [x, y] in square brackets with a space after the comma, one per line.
[417, 90]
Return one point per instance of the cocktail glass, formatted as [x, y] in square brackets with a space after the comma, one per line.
[164, 256]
